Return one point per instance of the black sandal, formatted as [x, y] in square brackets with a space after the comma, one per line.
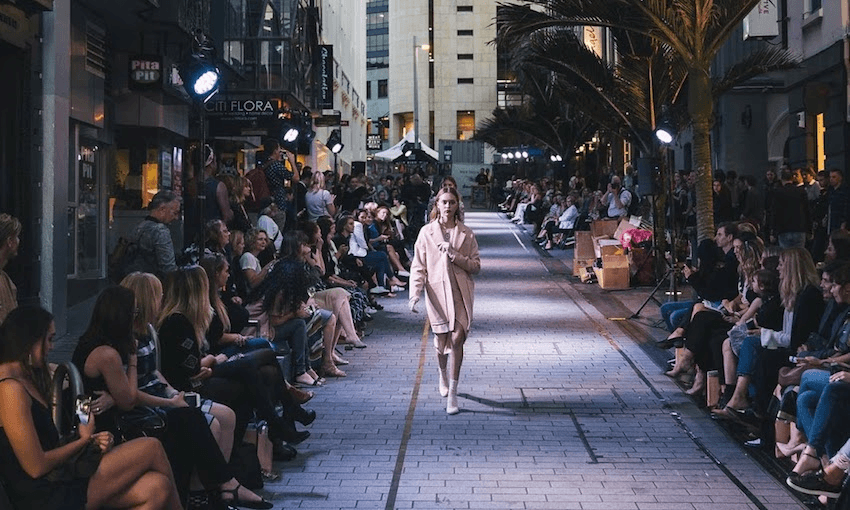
[262, 504]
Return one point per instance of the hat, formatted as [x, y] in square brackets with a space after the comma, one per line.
[265, 203]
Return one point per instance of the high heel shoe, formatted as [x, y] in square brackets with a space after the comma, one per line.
[284, 428]
[338, 360]
[333, 371]
[306, 379]
[303, 416]
[667, 343]
[298, 395]
[235, 500]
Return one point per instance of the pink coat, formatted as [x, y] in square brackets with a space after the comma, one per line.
[430, 271]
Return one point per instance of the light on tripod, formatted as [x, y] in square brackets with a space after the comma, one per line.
[664, 133]
[335, 141]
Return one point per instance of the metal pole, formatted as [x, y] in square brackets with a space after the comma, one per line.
[415, 95]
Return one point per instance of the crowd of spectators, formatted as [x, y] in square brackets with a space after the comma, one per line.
[769, 320]
[230, 334]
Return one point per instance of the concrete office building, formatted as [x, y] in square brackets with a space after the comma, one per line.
[457, 74]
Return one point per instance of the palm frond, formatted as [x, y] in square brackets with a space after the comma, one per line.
[762, 61]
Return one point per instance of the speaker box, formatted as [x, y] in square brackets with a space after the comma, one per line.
[358, 167]
[649, 175]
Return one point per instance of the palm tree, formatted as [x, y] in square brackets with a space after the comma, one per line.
[692, 30]
[547, 118]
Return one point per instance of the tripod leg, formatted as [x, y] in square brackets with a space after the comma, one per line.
[651, 297]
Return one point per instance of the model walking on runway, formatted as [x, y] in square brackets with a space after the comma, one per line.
[445, 258]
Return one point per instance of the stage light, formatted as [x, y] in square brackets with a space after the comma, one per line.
[664, 133]
[517, 154]
[407, 149]
[525, 154]
[334, 142]
[201, 78]
[504, 156]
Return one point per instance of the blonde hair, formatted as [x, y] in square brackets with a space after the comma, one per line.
[187, 293]
[213, 265]
[749, 257]
[798, 270]
[148, 291]
[317, 182]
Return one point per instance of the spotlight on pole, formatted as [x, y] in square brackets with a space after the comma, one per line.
[407, 149]
[334, 142]
[201, 78]
[664, 133]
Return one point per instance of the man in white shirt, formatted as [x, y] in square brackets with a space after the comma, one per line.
[617, 199]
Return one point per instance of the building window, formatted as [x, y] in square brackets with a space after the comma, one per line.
[465, 81]
[465, 125]
[368, 90]
[462, 33]
[820, 153]
[464, 8]
[464, 56]
[382, 88]
[811, 6]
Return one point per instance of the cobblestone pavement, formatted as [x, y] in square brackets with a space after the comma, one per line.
[561, 409]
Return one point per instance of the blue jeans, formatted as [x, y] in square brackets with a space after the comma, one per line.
[294, 333]
[675, 313]
[828, 431]
[748, 356]
[252, 344]
[812, 384]
[791, 240]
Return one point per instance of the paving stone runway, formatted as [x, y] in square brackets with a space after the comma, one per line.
[560, 410]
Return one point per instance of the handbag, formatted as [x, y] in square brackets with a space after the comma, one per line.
[141, 421]
[82, 464]
[790, 376]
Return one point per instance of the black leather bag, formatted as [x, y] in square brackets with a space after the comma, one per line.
[141, 421]
[82, 464]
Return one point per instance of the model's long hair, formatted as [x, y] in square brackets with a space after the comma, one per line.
[112, 321]
[187, 293]
[148, 292]
[435, 212]
[24, 328]
[213, 265]
[798, 270]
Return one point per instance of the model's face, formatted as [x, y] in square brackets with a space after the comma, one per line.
[447, 205]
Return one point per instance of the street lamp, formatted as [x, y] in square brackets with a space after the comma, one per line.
[416, 47]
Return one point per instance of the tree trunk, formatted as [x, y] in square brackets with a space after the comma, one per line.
[701, 109]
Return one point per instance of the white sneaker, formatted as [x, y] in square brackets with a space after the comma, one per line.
[371, 310]
[404, 274]
[396, 288]
[379, 290]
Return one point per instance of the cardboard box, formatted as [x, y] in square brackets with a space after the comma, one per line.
[603, 228]
[614, 273]
[583, 255]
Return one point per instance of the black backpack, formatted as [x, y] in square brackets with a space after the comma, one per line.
[128, 257]
[634, 208]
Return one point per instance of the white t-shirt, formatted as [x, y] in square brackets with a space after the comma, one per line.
[249, 261]
[272, 230]
[317, 203]
[568, 219]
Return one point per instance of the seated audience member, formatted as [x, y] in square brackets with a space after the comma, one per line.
[838, 247]
[714, 279]
[217, 238]
[256, 241]
[385, 225]
[379, 241]
[240, 193]
[762, 354]
[287, 300]
[827, 482]
[252, 382]
[350, 234]
[110, 343]
[135, 474]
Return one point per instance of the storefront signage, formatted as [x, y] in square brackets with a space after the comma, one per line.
[763, 20]
[145, 71]
[243, 116]
[326, 77]
[374, 142]
[593, 39]
[14, 26]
